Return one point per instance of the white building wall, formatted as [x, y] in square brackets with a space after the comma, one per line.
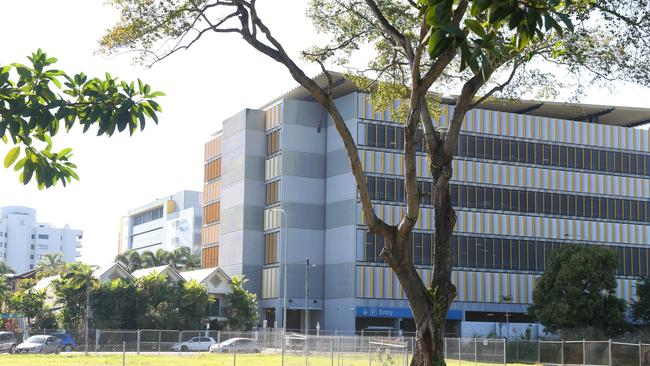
[24, 241]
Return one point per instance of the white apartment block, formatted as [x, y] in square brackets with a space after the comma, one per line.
[24, 241]
[167, 223]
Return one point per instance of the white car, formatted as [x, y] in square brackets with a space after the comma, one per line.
[238, 345]
[40, 344]
[195, 344]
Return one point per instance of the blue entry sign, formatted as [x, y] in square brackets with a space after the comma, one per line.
[379, 312]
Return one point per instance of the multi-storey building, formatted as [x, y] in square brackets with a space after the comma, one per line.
[528, 178]
[24, 241]
[167, 223]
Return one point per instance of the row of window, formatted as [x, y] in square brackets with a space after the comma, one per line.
[145, 217]
[272, 192]
[212, 212]
[272, 142]
[271, 248]
[392, 137]
[212, 170]
[503, 199]
[503, 254]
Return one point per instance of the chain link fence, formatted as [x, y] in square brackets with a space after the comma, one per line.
[295, 348]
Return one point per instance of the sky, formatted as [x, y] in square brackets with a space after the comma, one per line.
[216, 78]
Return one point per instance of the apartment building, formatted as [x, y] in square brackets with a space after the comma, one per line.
[528, 178]
[166, 223]
[24, 241]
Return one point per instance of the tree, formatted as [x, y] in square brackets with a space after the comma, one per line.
[641, 306]
[483, 47]
[241, 306]
[29, 304]
[35, 105]
[113, 305]
[72, 292]
[50, 265]
[5, 293]
[194, 304]
[180, 258]
[577, 290]
[130, 259]
[5, 268]
[157, 302]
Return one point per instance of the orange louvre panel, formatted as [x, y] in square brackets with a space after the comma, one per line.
[210, 257]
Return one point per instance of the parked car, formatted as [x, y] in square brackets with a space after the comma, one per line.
[7, 342]
[67, 341]
[194, 344]
[239, 345]
[40, 344]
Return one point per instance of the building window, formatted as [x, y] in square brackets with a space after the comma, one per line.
[272, 142]
[148, 216]
[175, 241]
[42, 247]
[43, 236]
[271, 248]
[523, 152]
[31, 256]
[272, 192]
[505, 199]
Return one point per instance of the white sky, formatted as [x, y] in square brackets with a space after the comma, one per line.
[215, 79]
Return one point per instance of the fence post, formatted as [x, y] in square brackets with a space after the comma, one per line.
[562, 352]
[159, 340]
[505, 351]
[584, 352]
[369, 355]
[609, 351]
[332, 350]
[180, 340]
[460, 361]
[282, 348]
[123, 353]
[640, 353]
[445, 354]
[475, 352]
[137, 346]
[539, 352]
[234, 355]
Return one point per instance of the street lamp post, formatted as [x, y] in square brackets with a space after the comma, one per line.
[284, 270]
[307, 266]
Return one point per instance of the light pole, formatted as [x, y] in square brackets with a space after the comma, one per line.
[284, 270]
[307, 295]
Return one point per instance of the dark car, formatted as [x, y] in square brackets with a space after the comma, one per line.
[7, 342]
[67, 341]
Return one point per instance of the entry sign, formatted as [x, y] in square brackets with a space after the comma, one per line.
[381, 312]
[376, 312]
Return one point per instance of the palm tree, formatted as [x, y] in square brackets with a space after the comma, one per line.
[50, 265]
[80, 277]
[130, 259]
[184, 258]
[6, 268]
[154, 259]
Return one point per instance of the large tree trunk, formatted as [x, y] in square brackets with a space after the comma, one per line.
[429, 305]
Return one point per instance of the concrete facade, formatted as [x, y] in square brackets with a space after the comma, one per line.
[577, 174]
[24, 241]
[167, 223]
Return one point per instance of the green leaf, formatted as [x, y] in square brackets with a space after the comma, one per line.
[476, 27]
[12, 155]
[566, 20]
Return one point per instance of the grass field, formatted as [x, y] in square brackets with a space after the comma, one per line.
[197, 360]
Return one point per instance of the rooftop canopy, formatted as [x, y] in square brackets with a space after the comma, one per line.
[603, 114]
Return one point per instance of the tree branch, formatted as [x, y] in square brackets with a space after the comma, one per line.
[498, 87]
[395, 34]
